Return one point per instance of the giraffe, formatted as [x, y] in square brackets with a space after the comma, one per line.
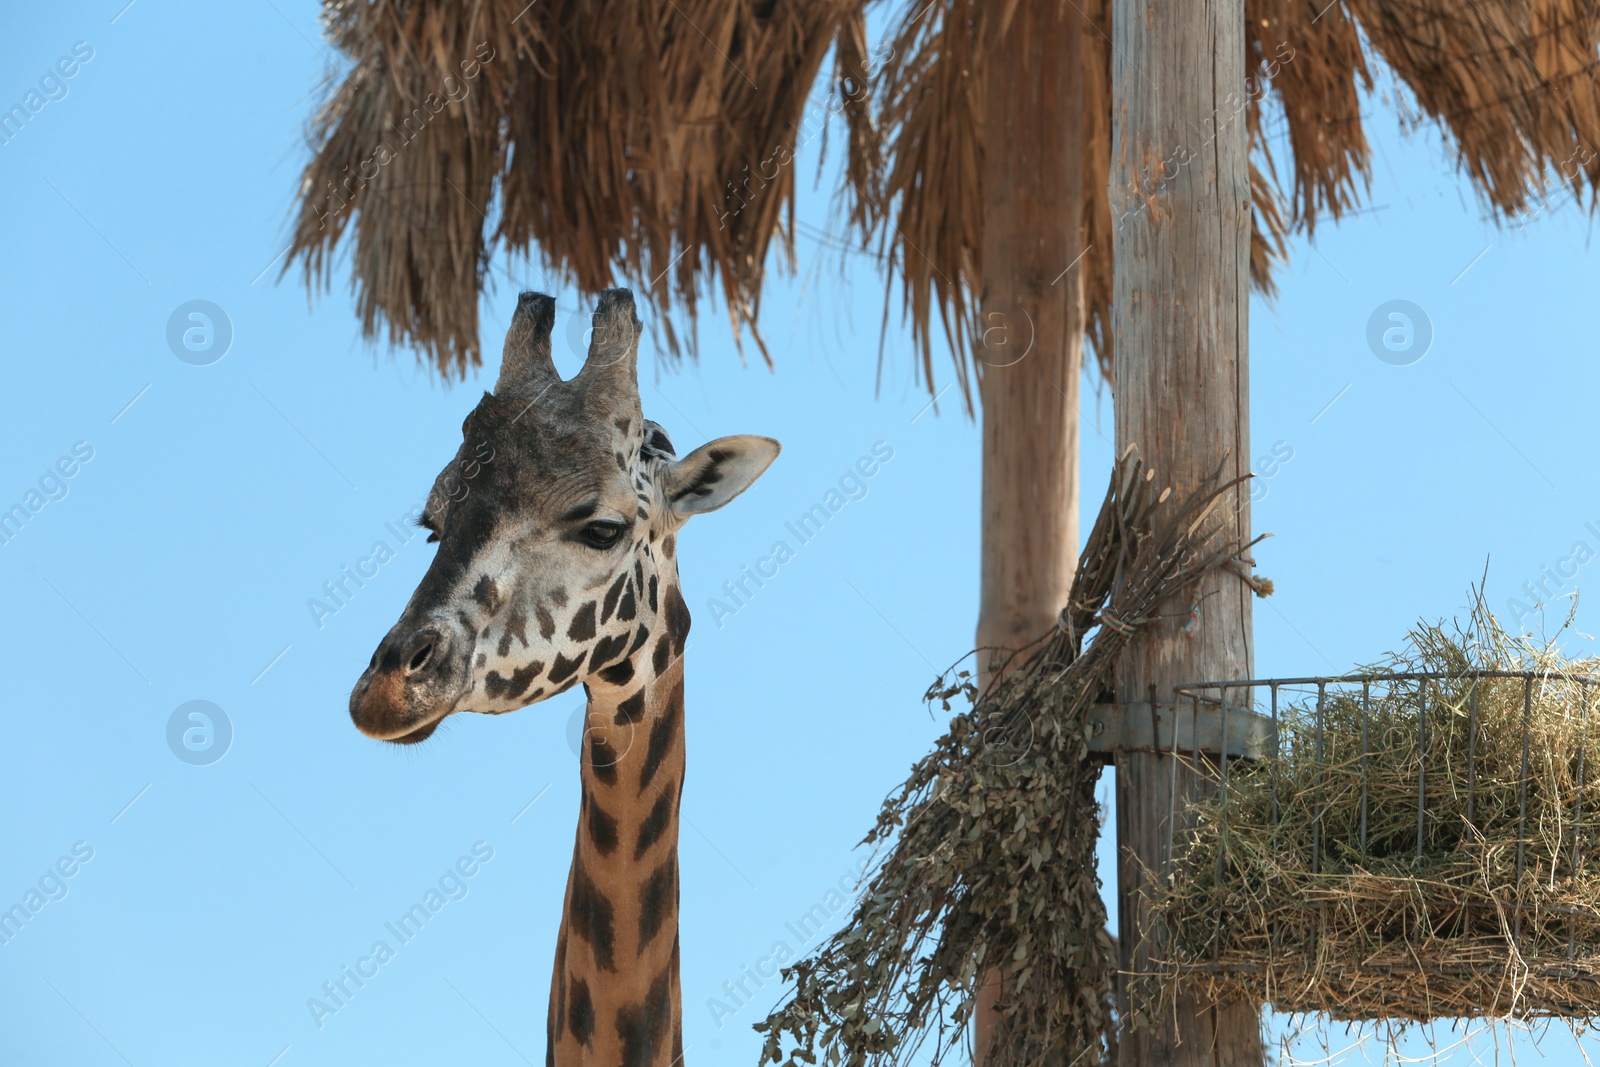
[557, 527]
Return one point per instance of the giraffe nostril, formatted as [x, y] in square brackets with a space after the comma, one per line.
[426, 651]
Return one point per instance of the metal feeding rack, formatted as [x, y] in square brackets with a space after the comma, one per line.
[1255, 733]
[1387, 844]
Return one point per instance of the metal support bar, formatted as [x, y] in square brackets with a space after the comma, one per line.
[1246, 733]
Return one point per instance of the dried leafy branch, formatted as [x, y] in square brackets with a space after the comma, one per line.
[986, 853]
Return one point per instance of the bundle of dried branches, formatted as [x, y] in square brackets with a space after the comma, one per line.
[1312, 882]
[657, 141]
[985, 856]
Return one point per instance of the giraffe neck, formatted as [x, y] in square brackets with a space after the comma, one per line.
[615, 997]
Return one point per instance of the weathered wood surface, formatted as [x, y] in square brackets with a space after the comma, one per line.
[1031, 318]
[1181, 217]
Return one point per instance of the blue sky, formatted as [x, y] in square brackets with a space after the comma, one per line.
[207, 505]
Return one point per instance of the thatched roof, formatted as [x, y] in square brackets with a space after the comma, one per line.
[653, 141]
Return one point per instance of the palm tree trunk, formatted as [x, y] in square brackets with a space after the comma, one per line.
[1180, 317]
[1031, 354]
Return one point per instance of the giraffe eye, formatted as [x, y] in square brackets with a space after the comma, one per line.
[429, 523]
[602, 534]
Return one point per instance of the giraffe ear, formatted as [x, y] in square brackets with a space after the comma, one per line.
[718, 471]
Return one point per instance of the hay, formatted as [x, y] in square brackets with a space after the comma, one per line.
[986, 853]
[655, 142]
[1493, 912]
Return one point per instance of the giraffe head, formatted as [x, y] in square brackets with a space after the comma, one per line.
[557, 524]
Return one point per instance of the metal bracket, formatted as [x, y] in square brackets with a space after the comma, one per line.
[1129, 728]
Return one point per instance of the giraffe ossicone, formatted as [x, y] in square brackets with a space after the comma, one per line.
[557, 525]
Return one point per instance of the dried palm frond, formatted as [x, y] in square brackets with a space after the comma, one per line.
[655, 142]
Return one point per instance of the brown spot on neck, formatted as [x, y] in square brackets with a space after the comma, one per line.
[618, 974]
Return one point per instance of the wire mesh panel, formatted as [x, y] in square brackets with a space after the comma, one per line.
[1417, 846]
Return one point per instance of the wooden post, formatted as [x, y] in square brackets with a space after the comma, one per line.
[1180, 201]
[1031, 320]
[1031, 354]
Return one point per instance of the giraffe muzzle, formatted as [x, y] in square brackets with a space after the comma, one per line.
[416, 678]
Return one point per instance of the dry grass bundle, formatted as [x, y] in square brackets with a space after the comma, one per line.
[987, 851]
[655, 142]
[1312, 883]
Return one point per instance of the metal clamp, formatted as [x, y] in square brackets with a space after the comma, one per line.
[1207, 727]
